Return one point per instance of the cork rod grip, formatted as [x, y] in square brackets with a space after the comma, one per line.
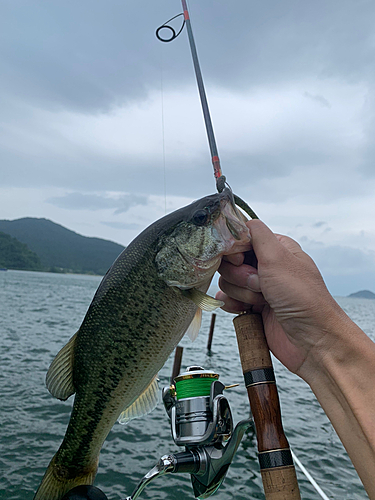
[275, 459]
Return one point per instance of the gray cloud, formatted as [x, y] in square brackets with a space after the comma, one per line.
[91, 56]
[319, 224]
[345, 269]
[82, 201]
[319, 99]
[76, 56]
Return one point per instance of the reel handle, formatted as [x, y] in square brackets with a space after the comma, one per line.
[275, 458]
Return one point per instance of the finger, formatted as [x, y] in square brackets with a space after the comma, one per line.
[289, 243]
[268, 246]
[236, 258]
[241, 294]
[265, 243]
[231, 305]
[235, 306]
[243, 276]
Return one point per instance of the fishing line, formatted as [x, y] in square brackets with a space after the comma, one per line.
[163, 130]
[219, 177]
[309, 477]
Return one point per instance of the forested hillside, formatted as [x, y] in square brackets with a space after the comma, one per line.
[16, 255]
[60, 249]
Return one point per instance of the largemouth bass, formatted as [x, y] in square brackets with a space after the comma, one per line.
[153, 293]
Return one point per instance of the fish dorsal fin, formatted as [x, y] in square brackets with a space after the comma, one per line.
[195, 325]
[59, 379]
[144, 404]
[202, 300]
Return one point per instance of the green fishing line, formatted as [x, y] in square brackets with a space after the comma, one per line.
[194, 387]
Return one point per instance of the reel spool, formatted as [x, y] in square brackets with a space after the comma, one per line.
[198, 410]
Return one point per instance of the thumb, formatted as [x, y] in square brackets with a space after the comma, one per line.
[268, 246]
[265, 243]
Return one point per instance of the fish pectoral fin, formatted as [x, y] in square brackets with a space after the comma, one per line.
[202, 300]
[195, 325]
[144, 404]
[59, 379]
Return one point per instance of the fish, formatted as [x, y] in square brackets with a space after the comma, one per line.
[151, 296]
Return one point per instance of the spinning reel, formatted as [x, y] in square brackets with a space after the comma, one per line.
[201, 421]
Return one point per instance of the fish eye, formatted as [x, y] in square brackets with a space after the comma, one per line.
[200, 217]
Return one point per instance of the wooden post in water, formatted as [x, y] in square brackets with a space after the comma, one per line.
[177, 363]
[211, 334]
[275, 458]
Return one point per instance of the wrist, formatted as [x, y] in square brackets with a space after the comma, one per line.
[340, 346]
[342, 362]
[341, 372]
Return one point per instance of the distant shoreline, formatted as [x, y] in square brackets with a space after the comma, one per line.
[54, 272]
[362, 294]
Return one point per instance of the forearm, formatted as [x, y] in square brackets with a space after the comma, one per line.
[312, 336]
[342, 376]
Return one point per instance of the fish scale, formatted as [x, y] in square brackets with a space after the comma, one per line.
[134, 322]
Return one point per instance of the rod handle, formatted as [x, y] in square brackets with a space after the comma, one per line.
[275, 458]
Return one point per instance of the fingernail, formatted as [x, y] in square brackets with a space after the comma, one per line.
[253, 282]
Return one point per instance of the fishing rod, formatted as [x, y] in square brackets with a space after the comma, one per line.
[202, 93]
[219, 177]
[274, 454]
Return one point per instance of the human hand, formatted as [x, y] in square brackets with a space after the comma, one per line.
[289, 291]
[311, 335]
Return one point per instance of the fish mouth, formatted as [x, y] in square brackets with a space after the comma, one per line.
[228, 235]
[231, 225]
[192, 253]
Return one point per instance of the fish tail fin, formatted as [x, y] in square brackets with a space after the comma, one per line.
[58, 480]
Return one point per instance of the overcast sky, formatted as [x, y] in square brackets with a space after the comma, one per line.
[101, 128]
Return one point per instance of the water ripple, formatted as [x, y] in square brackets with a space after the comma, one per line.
[41, 311]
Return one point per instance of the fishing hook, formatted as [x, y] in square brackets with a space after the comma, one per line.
[221, 183]
[165, 26]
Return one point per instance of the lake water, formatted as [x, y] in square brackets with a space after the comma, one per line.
[39, 312]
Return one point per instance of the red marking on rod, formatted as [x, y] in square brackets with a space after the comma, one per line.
[217, 168]
[186, 15]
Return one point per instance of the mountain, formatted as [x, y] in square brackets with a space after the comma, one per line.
[363, 294]
[16, 255]
[60, 249]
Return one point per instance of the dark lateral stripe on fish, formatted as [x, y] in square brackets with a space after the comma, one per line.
[260, 376]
